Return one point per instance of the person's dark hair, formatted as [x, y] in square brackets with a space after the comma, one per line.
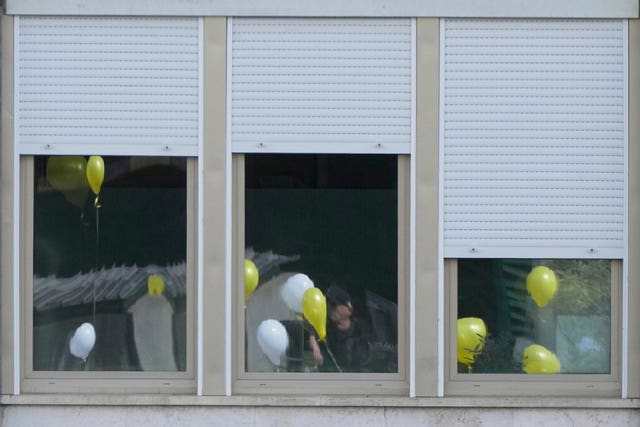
[337, 295]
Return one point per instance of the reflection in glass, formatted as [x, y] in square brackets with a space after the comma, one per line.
[120, 267]
[573, 323]
[328, 221]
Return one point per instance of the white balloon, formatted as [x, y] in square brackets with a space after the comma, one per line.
[273, 340]
[82, 341]
[293, 290]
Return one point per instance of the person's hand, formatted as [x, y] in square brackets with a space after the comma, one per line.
[317, 354]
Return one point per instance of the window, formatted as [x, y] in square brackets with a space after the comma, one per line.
[109, 278]
[321, 126]
[534, 320]
[533, 164]
[339, 220]
[125, 269]
[564, 305]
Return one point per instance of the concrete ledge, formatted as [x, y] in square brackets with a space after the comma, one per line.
[316, 414]
[317, 401]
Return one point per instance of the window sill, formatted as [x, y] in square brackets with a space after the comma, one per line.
[318, 401]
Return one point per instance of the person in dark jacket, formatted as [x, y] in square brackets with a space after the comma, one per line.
[347, 335]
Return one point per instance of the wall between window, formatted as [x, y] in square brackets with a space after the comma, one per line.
[8, 382]
[213, 352]
[427, 272]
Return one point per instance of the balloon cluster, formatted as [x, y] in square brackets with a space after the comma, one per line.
[542, 286]
[302, 297]
[74, 175]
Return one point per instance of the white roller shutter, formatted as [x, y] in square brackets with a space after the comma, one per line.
[107, 85]
[534, 138]
[321, 85]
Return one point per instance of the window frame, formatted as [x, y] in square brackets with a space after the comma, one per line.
[475, 384]
[180, 382]
[323, 383]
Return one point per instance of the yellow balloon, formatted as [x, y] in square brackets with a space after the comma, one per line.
[155, 284]
[542, 285]
[95, 173]
[314, 308]
[538, 360]
[472, 333]
[67, 174]
[251, 278]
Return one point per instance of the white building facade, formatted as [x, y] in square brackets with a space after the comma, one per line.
[430, 159]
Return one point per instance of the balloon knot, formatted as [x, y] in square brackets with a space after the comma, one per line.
[96, 203]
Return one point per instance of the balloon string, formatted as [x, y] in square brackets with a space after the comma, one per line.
[97, 205]
[332, 356]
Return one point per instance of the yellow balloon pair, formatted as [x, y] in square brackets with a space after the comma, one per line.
[72, 174]
[472, 333]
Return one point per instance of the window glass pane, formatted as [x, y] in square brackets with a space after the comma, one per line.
[541, 316]
[333, 218]
[120, 268]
